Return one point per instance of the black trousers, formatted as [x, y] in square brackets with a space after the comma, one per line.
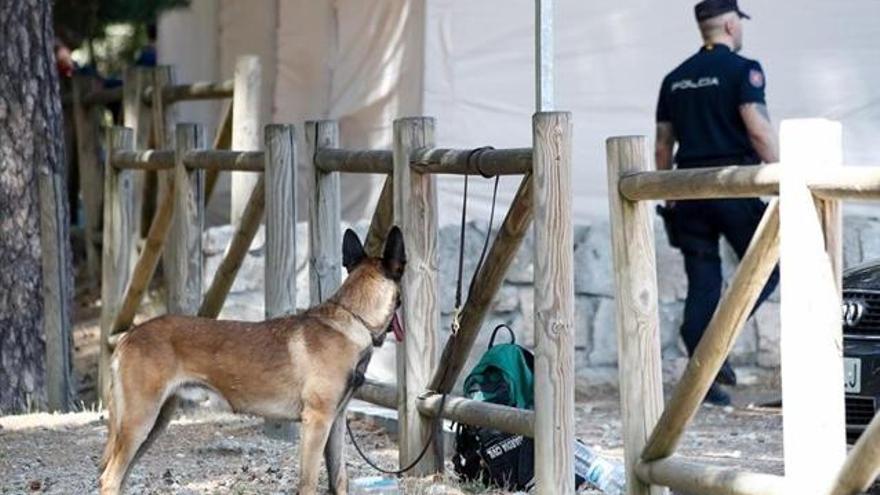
[700, 224]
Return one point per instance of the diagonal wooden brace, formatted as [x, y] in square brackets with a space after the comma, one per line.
[383, 217]
[222, 141]
[733, 311]
[148, 260]
[238, 248]
[862, 465]
[498, 260]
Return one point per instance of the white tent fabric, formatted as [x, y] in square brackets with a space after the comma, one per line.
[470, 64]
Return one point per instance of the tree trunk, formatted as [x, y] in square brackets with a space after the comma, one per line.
[35, 271]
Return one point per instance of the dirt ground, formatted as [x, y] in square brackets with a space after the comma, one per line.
[211, 452]
[205, 452]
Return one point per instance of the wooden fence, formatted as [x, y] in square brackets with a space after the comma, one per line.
[409, 200]
[146, 99]
[134, 210]
[803, 229]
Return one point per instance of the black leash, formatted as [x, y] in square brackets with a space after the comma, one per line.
[455, 321]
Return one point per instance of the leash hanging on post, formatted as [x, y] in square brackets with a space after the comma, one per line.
[455, 325]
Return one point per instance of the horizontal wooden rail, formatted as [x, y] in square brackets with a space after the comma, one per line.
[202, 90]
[247, 161]
[845, 183]
[747, 181]
[702, 183]
[478, 161]
[144, 160]
[687, 477]
[354, 162]
[103, 96]
[378, 393]
[460, 409]
[478, 413]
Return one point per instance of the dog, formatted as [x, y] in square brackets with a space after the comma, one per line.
[304, 367]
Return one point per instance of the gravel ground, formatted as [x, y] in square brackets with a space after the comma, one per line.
[205, 452]
[201, 453]
[210, 452]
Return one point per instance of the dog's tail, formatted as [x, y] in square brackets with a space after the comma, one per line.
[114, 403]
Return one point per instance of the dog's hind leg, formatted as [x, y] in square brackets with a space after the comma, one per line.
[136, 409]
[166, 414]
[334, 456]
[316, 425]
[134, 429]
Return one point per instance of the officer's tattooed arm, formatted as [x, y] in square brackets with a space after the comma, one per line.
[762, 134]
[664, 145]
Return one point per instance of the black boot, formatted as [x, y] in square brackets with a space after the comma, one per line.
[726, 375]
[717, 396]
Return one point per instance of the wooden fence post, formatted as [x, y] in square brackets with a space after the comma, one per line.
[415, 211]
[245, 128]
[117, 260]
[163, 138]
[136, 116]
[554, 303]
[57, 285]
[638, 321]
[162, 111]
[87, 125]
[325, 239]
[280, 275]
[185, 247]
[811, 335]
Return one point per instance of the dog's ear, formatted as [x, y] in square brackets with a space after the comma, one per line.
[352, 250]
[394, 256]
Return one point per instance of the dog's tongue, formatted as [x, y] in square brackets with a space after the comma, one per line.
[396, 327]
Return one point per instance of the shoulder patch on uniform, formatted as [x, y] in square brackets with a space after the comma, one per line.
[756, 78]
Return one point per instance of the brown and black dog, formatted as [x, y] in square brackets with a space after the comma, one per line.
[303, 368]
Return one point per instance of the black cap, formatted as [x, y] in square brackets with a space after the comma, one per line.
[708, 9]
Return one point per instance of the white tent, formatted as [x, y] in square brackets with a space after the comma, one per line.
[470, 63]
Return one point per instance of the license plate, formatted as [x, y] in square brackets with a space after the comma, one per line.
[852, 373]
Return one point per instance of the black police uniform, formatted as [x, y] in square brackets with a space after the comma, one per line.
[701, 99]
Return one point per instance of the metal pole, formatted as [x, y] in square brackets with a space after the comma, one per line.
[544, 53]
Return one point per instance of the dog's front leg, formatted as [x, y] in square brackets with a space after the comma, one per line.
[334, 456]
[316, 425]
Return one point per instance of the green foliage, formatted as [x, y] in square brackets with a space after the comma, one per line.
[111, 32]
[80, 20]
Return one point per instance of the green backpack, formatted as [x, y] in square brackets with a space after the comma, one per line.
[504, 375]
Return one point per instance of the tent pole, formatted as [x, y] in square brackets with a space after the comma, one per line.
[544, 54]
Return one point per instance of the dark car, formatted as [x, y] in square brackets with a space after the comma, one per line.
[861, 345]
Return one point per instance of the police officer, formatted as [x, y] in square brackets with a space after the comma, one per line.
[713, 107]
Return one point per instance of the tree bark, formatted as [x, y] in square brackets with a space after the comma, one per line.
[35, 271]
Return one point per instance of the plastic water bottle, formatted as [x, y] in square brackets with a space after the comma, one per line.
[599, 472]
[375, 485]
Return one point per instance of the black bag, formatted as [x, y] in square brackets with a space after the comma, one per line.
[669, 214]
[487, 455]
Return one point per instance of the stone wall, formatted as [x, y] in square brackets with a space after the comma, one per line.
[756, 354]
